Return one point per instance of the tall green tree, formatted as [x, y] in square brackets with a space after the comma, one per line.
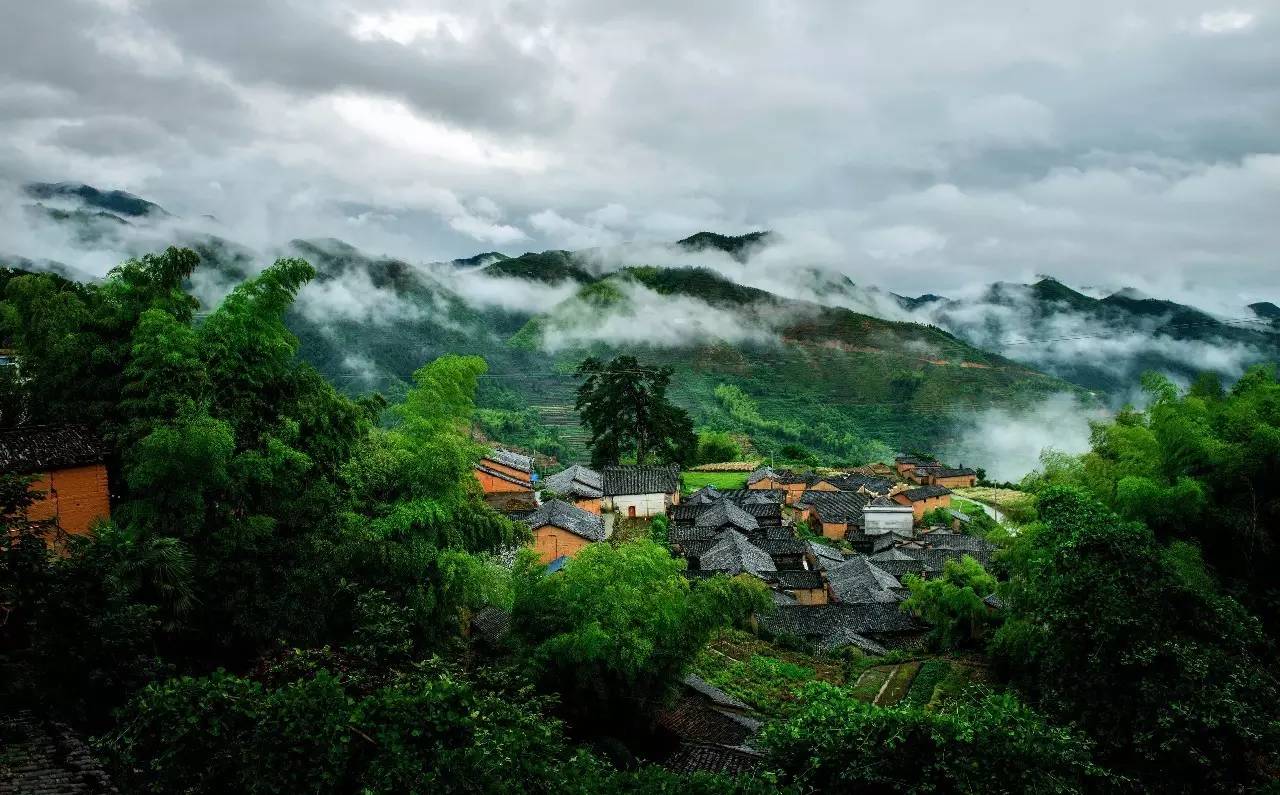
[612, 630]
[625, 405]
[1129, 639]
[953, 603]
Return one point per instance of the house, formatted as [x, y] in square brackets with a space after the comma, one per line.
[765, 506]
[898, 563]
[883, 515]
[713, 730]
[834, 513]
[858, 580]
[821, 557]
[516, 505]
[733, 554]
[640, 490]
[67, 464]
[561, 529]
[503, 470]
[803, 586]
[906, 464]
[863, 484]
[582, 486]
[792, 484]
[873, 627]
[923, 499]
[962, 478]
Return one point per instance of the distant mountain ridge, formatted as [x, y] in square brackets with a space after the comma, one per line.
[848, 384]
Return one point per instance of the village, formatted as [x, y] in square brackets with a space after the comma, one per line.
[832, 547]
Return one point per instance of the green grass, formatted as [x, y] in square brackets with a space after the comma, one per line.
[692, 481]
[899, 683]
[764, 676]
[930, 675]
[869, 684]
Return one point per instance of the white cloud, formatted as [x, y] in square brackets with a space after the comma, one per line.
[1225, 21]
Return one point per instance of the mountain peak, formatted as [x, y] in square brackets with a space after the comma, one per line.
[117, 202]
[736, 246]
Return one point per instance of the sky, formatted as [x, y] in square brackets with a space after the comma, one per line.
[920, 146]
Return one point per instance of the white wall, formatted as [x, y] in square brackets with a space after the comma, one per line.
[886, 520]
[645, 504]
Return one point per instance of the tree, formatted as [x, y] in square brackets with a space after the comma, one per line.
[1107, 628]
[982, 743]
[952, 603]
[615, 627]
[625, 405]
[717, 446]
[1200, 466]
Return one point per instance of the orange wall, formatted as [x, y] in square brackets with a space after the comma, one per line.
[550, 542]
[492, 485]
[592, 505]
[959, 482]
[811, 596]
[74, 497]
[921, 507]
[835, 530]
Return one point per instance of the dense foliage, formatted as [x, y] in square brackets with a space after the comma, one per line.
[953, 603]
[981, 743]
[615, 627]
[1201, 466]
[1130, 639]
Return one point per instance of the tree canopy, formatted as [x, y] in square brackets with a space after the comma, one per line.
[624, 403]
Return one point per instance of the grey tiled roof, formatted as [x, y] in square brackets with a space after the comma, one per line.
[713, 693]
[567, 516]
[897, 563]
[685, 533]
[935, 558]
[859, 580]
[925, 492]
[734, 554]
[947, 472]
[725, 514]
[834, 506]
[707, 495]
[763, 473]
[576, 481]
[514, 460]
[825, 556]
[818, 622]
[624, 480]
[883, 502]
[797, 579]
[871, 483]
[41, 448]
[42, 757]
[693, 757]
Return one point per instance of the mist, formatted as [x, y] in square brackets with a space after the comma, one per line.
[1007, 443]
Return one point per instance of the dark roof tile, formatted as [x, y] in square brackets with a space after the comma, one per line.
[42, 448]
[567, 516]
[625, 480]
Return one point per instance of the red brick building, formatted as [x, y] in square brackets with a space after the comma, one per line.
[67, 465]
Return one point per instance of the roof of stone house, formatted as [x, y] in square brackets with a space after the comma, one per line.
[490, 624]
[42, 757]
[514, 504]
[824, 555]
[884, 502]
[500, 475]
[953, 472]
[621, 481]
[834, 506]
[897, 563]
[681, 534]
[795, 579]
[783, 476]
[915, 460]
[43, 448]
[725, 514]
[575, 481]
[713, 693]
[819, 622]
[693, 757]
[734, 554]
[509, 459]
[925, 492]
[961, 516]
[859, 580]
[766, 513]
[871, 483]
[763, 473]
[568, 516]
[779, 547]
[782, 599]
[758, 497]
[973, 544]
[994, 602]
[935, 558]
[707, 495]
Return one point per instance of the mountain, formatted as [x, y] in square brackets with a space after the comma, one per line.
[114, 202]
[1102, 344]
[823, 366]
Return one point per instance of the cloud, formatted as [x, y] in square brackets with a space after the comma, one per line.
[642, 317]
[1008, 443]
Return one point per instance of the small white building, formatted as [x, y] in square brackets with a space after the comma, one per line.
[883, 515]
[640, 491]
